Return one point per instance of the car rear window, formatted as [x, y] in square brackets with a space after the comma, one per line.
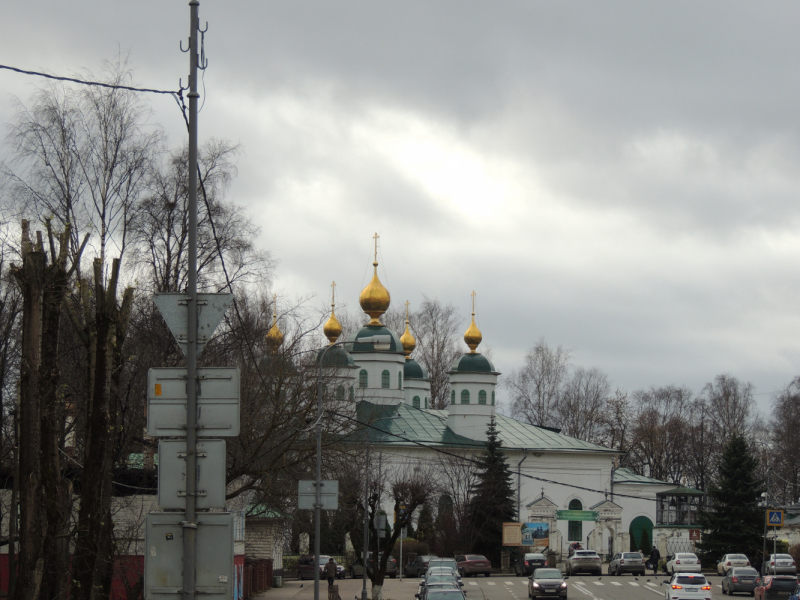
[584, 553]
[737, 557]
[631, 555]
[475, 557]
[691, 580]
[686, 556]
[745, 572]
[783, 584]
[434, 578]
[547, 574]
[783, 557]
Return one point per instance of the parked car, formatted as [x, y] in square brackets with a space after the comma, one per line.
[683, 562]
[584, 561]
[418, 566]
[730, 561]
[687, 586]
[527, 563]
[626, 562]
[739, 579]
[547, 582]
[775, 587]
[445, 570]
[305, 567]
[357, 569]
[424, 590]
[473, 564]
[779, 564]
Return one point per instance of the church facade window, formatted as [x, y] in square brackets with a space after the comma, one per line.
[385, 379]
[575, 528]
[363, 378]
[340, 392]
[399, 381]
[415, 402]
[464, 396]
[352, 393]
[492, 398]
[482, 397]
[452, 396]
[426, 402]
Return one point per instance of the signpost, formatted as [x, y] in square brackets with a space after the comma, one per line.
[211, 460]
[329, 495]
[775, 518]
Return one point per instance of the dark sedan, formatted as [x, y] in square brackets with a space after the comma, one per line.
[418, 566]
[547, 582]
[739, 579]
[775, 587]
[528, 563]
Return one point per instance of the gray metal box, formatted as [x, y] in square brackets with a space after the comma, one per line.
[163, 559]
[217, 402]
[210, 474]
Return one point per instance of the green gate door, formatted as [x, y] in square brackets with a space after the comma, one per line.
[641, 532]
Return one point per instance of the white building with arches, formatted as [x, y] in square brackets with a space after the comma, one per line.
[554, 473]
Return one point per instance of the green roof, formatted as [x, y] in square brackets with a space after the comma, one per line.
[686, 491]
[427, 426]
[413, 370]
[369, 331]
[335, 356]
[623, 475]
[472, 362]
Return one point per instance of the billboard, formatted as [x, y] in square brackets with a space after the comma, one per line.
[526, 534]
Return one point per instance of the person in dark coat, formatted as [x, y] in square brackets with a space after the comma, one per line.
[655, 556]
[330, 571]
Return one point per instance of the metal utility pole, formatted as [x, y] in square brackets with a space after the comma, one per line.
[190, 524]
[366, 526]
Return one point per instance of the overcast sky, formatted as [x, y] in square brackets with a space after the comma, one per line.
[620, 178]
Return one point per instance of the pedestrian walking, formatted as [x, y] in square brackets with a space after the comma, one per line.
[655, 556]
[330, 571]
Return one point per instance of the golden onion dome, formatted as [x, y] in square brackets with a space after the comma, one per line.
[408, 341]
[332, 328]
[274, 336]
[473, 335]
[374, 298]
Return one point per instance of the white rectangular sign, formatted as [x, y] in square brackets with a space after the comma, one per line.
[217, 402]
[329, 497]
[211, 460]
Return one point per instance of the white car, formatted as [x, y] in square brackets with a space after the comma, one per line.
[729, 561]
[683, 562]
[687, 586]
[779, 564]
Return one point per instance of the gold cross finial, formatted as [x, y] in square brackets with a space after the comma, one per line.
[333, 294]
[274, 308]
[375, 237]
[473, 302]
[407, 304]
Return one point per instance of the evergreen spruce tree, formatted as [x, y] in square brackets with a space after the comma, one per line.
[733, 521]
[492, 502]
[425, 527]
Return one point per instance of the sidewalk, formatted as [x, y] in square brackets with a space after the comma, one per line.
[349, 589]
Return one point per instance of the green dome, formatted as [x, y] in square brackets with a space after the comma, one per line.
[335, 357]
[371, 330]
[473, 362]
[413, 370]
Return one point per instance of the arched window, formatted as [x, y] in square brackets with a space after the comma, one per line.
[464, 397]
[492, 398]
[575, 528]
[352, 393]
[362, 378]
[452, 396]
[426, 402]
[400, 382]
[482, 397]
[340, 392]
[385, 379]
[415, 402]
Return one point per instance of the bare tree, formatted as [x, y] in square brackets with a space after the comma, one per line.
[582, 405]
[730, 407]
[616, 420]
[436, 328]
[536, 388]
[785, 459]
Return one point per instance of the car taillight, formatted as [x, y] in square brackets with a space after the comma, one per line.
[794, 564]
[677, 562]
[748, 563]
[677, 587]
[706, 587]
[735, 579]
[728, 564]
[621, 561]
[526, 563]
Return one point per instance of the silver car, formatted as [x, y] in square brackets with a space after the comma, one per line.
[626, 562]
[779, 564]
[687, 586]
[740, 579]
[584, 561]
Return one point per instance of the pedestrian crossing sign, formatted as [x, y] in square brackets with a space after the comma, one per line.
[775, 518]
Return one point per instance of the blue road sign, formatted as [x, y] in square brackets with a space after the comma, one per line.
[775, 518]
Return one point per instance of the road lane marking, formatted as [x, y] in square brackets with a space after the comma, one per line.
[509, 582]
[615, 583]
[473, 583]
[633, 583]
[491, 583]
[598, 583]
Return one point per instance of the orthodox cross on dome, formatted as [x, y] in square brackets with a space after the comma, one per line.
[407, 305]
[333, 294]
[375, 237]
[473, 301]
